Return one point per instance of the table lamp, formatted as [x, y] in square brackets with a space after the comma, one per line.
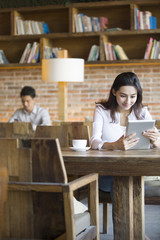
[62, 70]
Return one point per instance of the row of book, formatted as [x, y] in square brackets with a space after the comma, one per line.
[84, 23]
[56, 52]
[144, 20]
[152, 49]
[31, 27]
[31, 53]
[114, 52]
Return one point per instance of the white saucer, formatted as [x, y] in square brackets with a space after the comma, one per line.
[80, 149]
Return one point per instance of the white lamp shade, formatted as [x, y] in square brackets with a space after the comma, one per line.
[63, 70]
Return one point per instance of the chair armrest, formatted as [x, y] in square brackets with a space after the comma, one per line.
[93, 206]
[82, 181]
[35, 186]
[53, 187]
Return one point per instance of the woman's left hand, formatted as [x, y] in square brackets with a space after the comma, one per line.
[153, 135]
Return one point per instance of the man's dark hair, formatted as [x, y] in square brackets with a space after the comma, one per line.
[28, 91]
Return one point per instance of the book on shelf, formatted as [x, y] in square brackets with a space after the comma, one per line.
[153, 22]
[80, 23]
[104, 23]
[26, 50]
[114, 52]
[3, 59]
[144, 20]
[109, 51]
[76, 23]
[84, 23]
[27, 27]
[37, 27]
[55, 52]
[147, 17]
[36, 55]
[136, 18]
[121, 53]
[148, 48]
[20, 30]
[152, 49]
[30, 53]
[94, 53]
[96, 27]
[157, 50]
[31, 27]
[45, 27]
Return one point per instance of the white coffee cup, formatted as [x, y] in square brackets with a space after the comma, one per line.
[79, 143]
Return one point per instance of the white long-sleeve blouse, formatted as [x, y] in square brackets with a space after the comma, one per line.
[104, 130]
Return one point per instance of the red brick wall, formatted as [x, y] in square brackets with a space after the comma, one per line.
[81, 96]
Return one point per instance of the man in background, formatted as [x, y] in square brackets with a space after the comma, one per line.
[30, 111]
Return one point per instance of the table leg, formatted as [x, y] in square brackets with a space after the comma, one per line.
[123, 208]
[138, 204]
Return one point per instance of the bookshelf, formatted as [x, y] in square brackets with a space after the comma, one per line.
[61, 22]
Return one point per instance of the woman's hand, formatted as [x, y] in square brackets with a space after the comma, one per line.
[153, 135]
[125, 143]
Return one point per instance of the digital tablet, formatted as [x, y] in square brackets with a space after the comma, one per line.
[138, 126]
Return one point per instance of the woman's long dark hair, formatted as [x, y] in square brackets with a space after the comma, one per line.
[123, 79]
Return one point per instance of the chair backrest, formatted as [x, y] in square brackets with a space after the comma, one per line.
[86, 123]
[65, 133]
[47, 161]
[3, 194]
[17, 160]
[33, 214]
[16, 129]
[42, 161]
[48, 166]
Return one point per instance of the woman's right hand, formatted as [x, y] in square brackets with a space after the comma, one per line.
[126, 142]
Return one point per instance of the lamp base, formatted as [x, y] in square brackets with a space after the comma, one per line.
[62, 101]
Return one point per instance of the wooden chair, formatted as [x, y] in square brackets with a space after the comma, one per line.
[45, 202]
[64, 132]
[3, 194]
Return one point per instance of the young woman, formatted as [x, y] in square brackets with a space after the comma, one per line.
[111, 116]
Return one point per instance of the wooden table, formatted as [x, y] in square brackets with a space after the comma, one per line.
[128, 169]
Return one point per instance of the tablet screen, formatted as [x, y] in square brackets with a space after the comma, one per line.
[138, 126]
